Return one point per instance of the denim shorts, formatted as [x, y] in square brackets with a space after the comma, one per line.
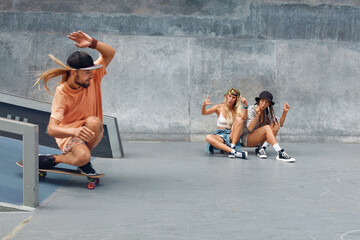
[225, 135]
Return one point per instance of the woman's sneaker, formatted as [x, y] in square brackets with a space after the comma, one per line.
[87, 169]
[46, 161]
[283, 156]
[260, 151]
[237, 154]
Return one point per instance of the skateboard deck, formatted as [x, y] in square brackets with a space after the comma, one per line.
[92, 180]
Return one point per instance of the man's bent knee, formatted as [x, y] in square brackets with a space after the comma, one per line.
[93, 121]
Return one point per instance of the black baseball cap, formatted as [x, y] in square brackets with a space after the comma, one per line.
[82, 61]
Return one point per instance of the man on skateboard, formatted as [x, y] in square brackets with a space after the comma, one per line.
[76, 119]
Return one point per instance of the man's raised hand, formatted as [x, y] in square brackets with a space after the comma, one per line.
[81, 39]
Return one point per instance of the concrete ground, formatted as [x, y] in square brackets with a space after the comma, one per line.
[173, 190]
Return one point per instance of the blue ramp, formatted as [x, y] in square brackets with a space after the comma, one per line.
[11, 184]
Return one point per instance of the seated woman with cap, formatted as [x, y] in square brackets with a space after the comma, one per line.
[262, 126]
[229, 124]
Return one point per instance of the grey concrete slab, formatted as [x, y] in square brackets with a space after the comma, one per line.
[9, 221]
[10, 209]
[174, 190]
[165, 100]
[233, 19]
[317, 106]
[158, 7]
[161, 82]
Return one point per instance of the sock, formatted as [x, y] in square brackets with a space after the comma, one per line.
[232, 146]
[233, 151]
[277, 147]
[266, 144]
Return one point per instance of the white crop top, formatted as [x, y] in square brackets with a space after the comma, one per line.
[221, 122]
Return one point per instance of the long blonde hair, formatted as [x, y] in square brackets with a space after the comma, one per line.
[53, 73]
[230, 119]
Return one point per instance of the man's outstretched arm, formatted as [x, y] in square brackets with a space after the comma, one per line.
[82, 40]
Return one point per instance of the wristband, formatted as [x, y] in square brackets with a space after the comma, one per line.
[246, 107]
[93, 44]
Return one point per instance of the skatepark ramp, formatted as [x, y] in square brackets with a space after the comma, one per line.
[36, 112]
[30, 136]
[26, 120]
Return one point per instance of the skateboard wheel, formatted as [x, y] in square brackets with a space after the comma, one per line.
[91, 185]
[42, 174]
[97, 180]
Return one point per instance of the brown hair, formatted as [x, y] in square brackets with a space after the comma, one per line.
[270, 114]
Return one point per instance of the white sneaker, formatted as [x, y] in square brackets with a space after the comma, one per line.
[242, 154]
[283, 156]
[261, 152]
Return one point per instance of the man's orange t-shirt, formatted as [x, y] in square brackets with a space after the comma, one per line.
[72, 106]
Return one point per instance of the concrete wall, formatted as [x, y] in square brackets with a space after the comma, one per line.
[171, 54]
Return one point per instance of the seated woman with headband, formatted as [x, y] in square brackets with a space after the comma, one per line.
[229, 123]
[262, 126]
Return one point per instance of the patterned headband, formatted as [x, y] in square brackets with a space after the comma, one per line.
[234, 92]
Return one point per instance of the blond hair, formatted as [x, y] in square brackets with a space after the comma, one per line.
[53, 73]
[228, 114]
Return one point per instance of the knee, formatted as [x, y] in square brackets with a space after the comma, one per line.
[238, 121]
[268, 129]
[93, 121]
[208, 138]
